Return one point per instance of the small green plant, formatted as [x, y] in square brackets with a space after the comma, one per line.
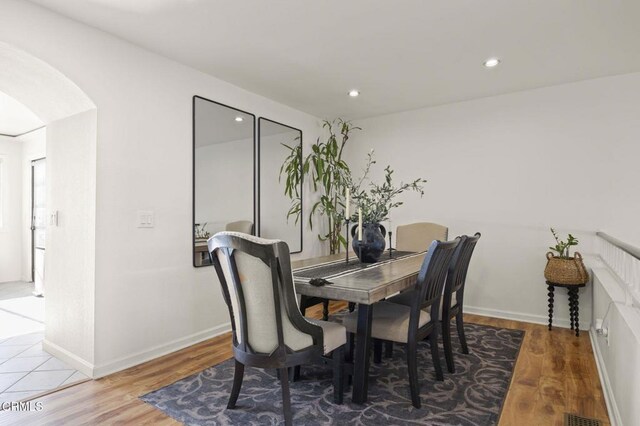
[201, 231]
[377, 201]
[562, 247]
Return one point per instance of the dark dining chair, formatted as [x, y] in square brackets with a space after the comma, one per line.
[453, 297]
[411, 324]
[268, 329]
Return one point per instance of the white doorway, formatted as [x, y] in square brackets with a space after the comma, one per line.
[38, 224]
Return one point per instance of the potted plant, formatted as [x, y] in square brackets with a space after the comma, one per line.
[201, 232]
[330, 176]
[374, 203]
[562, 268]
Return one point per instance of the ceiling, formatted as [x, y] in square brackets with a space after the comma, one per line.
[15, 118]
[401, 55]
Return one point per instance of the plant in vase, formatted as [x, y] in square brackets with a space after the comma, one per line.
[330, 176]
[201, 231]
[375, 202]
[562, 268]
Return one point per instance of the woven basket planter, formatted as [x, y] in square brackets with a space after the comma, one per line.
[569, 270]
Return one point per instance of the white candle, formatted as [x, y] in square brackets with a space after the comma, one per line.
[360, 223]
[346, 207]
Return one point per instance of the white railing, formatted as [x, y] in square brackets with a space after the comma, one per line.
[624, 260]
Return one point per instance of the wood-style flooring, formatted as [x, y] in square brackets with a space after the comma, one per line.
[555, 373]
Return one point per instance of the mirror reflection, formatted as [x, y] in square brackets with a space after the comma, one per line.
[223, 173]
[275, 141]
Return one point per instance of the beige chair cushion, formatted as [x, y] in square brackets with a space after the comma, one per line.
[390, 321]
[416, 237]
[334, 335]
[406, 298]
[243, 226]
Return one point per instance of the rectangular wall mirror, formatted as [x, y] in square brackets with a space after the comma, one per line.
[273, 203]
[223, 173]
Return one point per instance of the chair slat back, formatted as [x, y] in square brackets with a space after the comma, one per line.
[255, 276]
[432, 274]
[459, 266]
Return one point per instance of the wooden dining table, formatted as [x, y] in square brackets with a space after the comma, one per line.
[364, 286]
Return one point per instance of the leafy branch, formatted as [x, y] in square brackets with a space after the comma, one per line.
[330, 176]
[378, 201]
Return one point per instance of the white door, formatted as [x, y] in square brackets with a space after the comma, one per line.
[38, 222]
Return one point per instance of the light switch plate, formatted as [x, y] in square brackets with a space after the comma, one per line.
[145, 219]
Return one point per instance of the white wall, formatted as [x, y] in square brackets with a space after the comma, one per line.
[71, 245]
[34, 145]
[10, 203]
[510, 167]
[148, 297]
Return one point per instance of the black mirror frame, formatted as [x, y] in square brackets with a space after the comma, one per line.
[259, 146]
[193, 172]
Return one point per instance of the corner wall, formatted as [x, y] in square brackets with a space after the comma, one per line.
[510, 167]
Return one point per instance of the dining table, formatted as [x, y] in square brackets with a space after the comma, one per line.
[362, 284]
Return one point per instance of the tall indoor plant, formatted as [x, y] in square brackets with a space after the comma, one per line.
[329, 175]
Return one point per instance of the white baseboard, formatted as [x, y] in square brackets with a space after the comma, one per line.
[612, 408]
[519, 316]
[158, 351]
[74, 361]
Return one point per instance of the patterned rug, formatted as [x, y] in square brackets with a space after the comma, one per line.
[472, 396]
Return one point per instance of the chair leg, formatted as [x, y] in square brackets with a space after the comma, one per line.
[325, 310]
[350, 346]
[237, 383]
[296, 373]
[412, 363]
[446, 339]
[460, 327]
[435, 354]
[388, 349]
[377, 351]
[338, 370]
[286, 396]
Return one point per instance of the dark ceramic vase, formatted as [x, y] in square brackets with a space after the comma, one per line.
[372, 245]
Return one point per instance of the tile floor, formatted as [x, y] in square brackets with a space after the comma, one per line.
[25, 369]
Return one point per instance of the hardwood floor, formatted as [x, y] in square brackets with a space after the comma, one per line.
[555, 373]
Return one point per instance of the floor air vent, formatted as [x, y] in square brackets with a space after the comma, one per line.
[574, 420]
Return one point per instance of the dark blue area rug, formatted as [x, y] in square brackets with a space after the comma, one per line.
[472, 396]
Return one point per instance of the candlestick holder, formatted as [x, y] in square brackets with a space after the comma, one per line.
[347, 221]
[390, 249]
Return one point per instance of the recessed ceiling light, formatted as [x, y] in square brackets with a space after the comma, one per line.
[491, 62]
[353, 93]
[239, 119]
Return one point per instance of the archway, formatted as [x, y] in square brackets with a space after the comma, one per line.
[71, 120]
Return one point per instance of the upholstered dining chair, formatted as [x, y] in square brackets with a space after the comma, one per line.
[416, 237]
[268, 329]
[244, 226]
[453, 297]
[412, 324]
